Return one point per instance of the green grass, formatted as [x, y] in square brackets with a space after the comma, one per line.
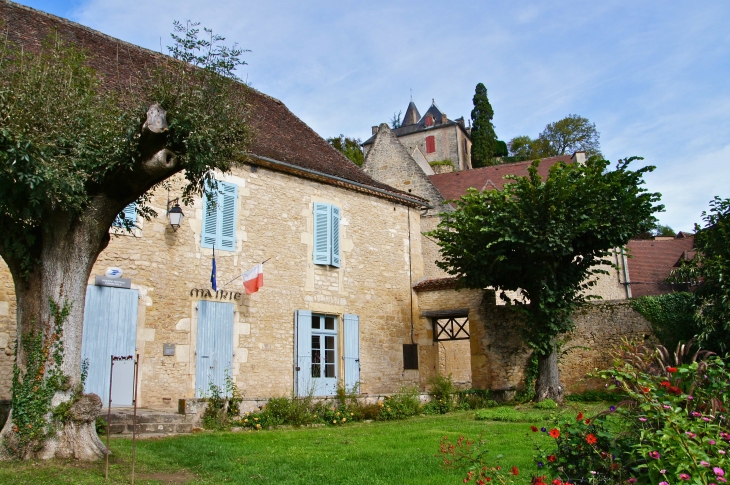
[397, 452]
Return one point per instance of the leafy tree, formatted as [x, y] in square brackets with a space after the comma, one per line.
[500, 149]
[350, 147]
[395, 121]
[711, 266]
[663, 231]
[520, 148]
[546, 240]
[571, 134]
[73, 153]
[483, 137]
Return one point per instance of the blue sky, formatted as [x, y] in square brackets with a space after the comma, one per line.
[652, 76]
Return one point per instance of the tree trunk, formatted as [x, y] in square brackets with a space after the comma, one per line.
[547, 385]
[67, 255]
[65, 249]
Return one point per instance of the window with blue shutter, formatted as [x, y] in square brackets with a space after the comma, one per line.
[128, 217]
[352, 353]
[303, 351]
[326, 234]
[219, 217]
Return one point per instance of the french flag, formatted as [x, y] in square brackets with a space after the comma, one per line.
[253, 279]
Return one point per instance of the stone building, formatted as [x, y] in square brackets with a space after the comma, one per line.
[352, 295]
[432, 138]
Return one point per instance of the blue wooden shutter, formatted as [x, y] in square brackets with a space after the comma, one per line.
[335, 224]
[352, 352]
[210, 218]
[130, 214]
[322, 233]
[303, 352]
[228, 204]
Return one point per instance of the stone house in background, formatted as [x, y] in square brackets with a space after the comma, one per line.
[651, 260]
[352, 295]
[432, 138]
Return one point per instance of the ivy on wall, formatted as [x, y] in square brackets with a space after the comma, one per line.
[672, 316]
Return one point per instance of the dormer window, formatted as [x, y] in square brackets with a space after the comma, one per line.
[429, 120]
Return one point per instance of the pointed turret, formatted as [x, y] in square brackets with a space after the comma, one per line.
[412, 115]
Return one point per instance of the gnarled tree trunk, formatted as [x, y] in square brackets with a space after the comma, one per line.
[66, 249]
[547, 385]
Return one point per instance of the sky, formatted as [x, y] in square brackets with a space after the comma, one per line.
[653, 76]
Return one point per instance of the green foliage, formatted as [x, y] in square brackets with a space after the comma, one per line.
[520, 148]
[483, 137]
[395, 121]
[672, 316]
[571, 134]
[663, 231]
[675, 425]
[223, 405]
[350, 147]
[401, 405]
[546, 404]
[65, 138]
[442, 391]
[500, 149]
[34, 386]
[711, 266]
[438, 163]
[527, 393]
[545, 239]
[475, 399]
[595, 396]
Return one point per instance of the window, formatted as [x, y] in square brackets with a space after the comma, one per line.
[410, 356]
[317, 371]
[326, 234]
[430, 144]
[128, 214]
[219, 217]
[429, 120]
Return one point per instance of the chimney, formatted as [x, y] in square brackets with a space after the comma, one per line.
[579, 157]
[375, 130]
[444, 119]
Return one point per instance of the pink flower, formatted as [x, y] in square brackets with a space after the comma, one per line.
[712, 442]
[663, 483]
[684, 476]
[704, 463]
[654, 454]
[718, 471]
[643, 420]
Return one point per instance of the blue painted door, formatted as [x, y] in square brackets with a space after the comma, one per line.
[214, 352]
[316, 345]
[110, 328]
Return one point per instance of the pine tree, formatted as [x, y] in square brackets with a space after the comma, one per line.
[483, 137]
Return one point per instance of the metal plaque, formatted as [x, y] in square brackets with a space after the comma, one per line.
[113, 282]
[168, 349]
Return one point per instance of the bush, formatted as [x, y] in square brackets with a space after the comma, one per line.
[442, 391]
[672, 316]
[475, 399]
[595, 396]
[546, 404]
[401, 405]
[223, 407]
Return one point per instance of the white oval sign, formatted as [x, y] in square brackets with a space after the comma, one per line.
[114, 273]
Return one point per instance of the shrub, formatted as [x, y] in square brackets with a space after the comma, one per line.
[671, 316]
[223, 407]
[442, 391]
[475, 399]
[595, 396]
[546, 404]
[401, 405]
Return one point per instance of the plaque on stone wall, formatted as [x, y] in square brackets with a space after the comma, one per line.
[168, 349]
[113, 282]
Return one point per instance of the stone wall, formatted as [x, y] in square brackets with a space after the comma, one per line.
[7, 330]
[449, 144]
[274, 221]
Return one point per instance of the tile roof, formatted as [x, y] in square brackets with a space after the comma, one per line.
[650, 262]
[436, 284]
[277, 133]
[455, 184]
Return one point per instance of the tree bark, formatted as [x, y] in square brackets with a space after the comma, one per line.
[547, 385]
[66, 249]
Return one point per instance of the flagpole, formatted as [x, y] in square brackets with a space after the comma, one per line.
[234, 279]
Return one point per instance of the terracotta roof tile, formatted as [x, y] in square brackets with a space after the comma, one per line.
[436, 284]
[455, 184]
[650, 262]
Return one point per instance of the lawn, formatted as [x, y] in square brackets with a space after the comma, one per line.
[394, 452]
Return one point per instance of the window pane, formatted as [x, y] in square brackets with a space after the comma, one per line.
[329, 370]
[329, 342]
[316, 370]
[329, 356]
[329, 323]
[315, 321]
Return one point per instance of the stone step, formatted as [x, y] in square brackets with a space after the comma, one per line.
[121, 421]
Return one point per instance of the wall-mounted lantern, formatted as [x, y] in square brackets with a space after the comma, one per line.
[174, 213]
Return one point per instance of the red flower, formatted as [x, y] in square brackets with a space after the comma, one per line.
[579, 417]
[554, 433]
[671, 370]
[551, 458]
[588, 421]
[557, 482]
[645, 389]
[665, 384]
[515, 471]
[534, 429]
[675, 390]
[591, 439]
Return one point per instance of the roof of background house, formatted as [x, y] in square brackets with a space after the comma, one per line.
[409, 127]
[650, 262]
[455, 184]
[278, 134]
